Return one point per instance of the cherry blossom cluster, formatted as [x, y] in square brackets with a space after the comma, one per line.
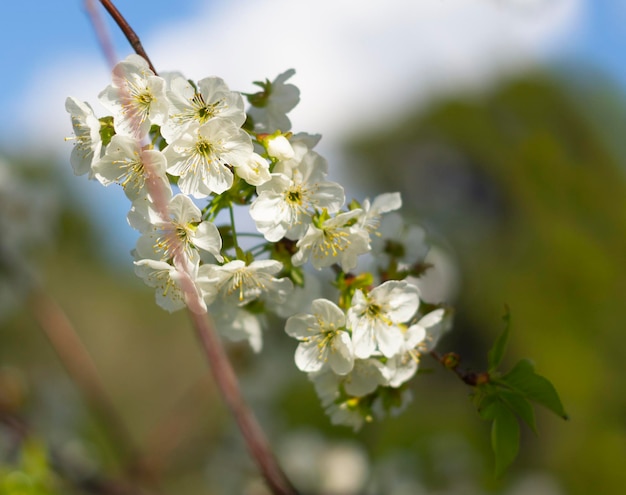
[186, 151]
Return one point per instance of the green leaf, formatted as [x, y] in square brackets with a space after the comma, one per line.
[504, 437]
[487, 407]
[496, 353]
[107, 131]
[520, 406]
[523, 379]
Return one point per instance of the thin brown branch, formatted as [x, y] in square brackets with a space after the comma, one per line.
[452, 360]
[222, 370]
[226, 381]
[168, 435]
[80, 366]
[130, 34]
[101, 31]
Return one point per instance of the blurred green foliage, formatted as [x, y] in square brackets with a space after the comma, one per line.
[31, 475]
[521, 187]
[523, 184]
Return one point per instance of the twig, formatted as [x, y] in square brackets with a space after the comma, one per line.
[227, 383]
[169, 433]
[130, 34]
[101, 32]
[451, 361]
[218, 361]
[79, 365]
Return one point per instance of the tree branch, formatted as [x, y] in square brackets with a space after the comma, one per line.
[227, 383]
[101, 32]
[130, 34]
[451, 361]
[80, 366]
[218, 361]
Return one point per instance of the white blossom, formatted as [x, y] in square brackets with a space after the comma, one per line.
[183, 232]
[383, 203]
[382, 408]
[375, 318]
[136, 97]
[434, 325]
[335, 241]
[88, 143]
[419, 338]
[201, 157]
[270, 107]
[364, 378]
[211, 100]
[240, 284]
[301, 143]
[404, 243]
[285, 205]
[403, 366]
[341, 409]
[255, 171]
[143, 215]
[278, 147]
[124, 163]
[347, 413]
[237, 324]
[168, 282]
[324, 340]
[341, 395]
[299, 299]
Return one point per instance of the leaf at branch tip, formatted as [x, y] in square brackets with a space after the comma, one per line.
[523, 379]
[520, 406]
[505, 437]
[487, 407]
[496, 353]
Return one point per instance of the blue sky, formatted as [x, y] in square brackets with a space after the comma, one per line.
[602, 39]
[32, 38]
[402, 50]
[33, 33]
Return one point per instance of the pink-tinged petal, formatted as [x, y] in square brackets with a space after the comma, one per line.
[207, 237]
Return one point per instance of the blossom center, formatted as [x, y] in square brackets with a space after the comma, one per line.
[244, 281]
[204, 111]
[294, 196]
[204, 148]
[132, 173]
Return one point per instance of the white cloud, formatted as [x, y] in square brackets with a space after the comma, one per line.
[356, 62]
[359, 61]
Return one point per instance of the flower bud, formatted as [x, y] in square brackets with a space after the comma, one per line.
[451, 360]
[279, 147]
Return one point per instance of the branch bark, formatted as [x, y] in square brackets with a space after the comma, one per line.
[226, 380]
[130, 34]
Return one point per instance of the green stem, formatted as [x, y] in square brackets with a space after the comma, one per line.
[234, 230]
[251, 234]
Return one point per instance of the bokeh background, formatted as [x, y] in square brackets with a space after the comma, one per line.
[502, 124]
